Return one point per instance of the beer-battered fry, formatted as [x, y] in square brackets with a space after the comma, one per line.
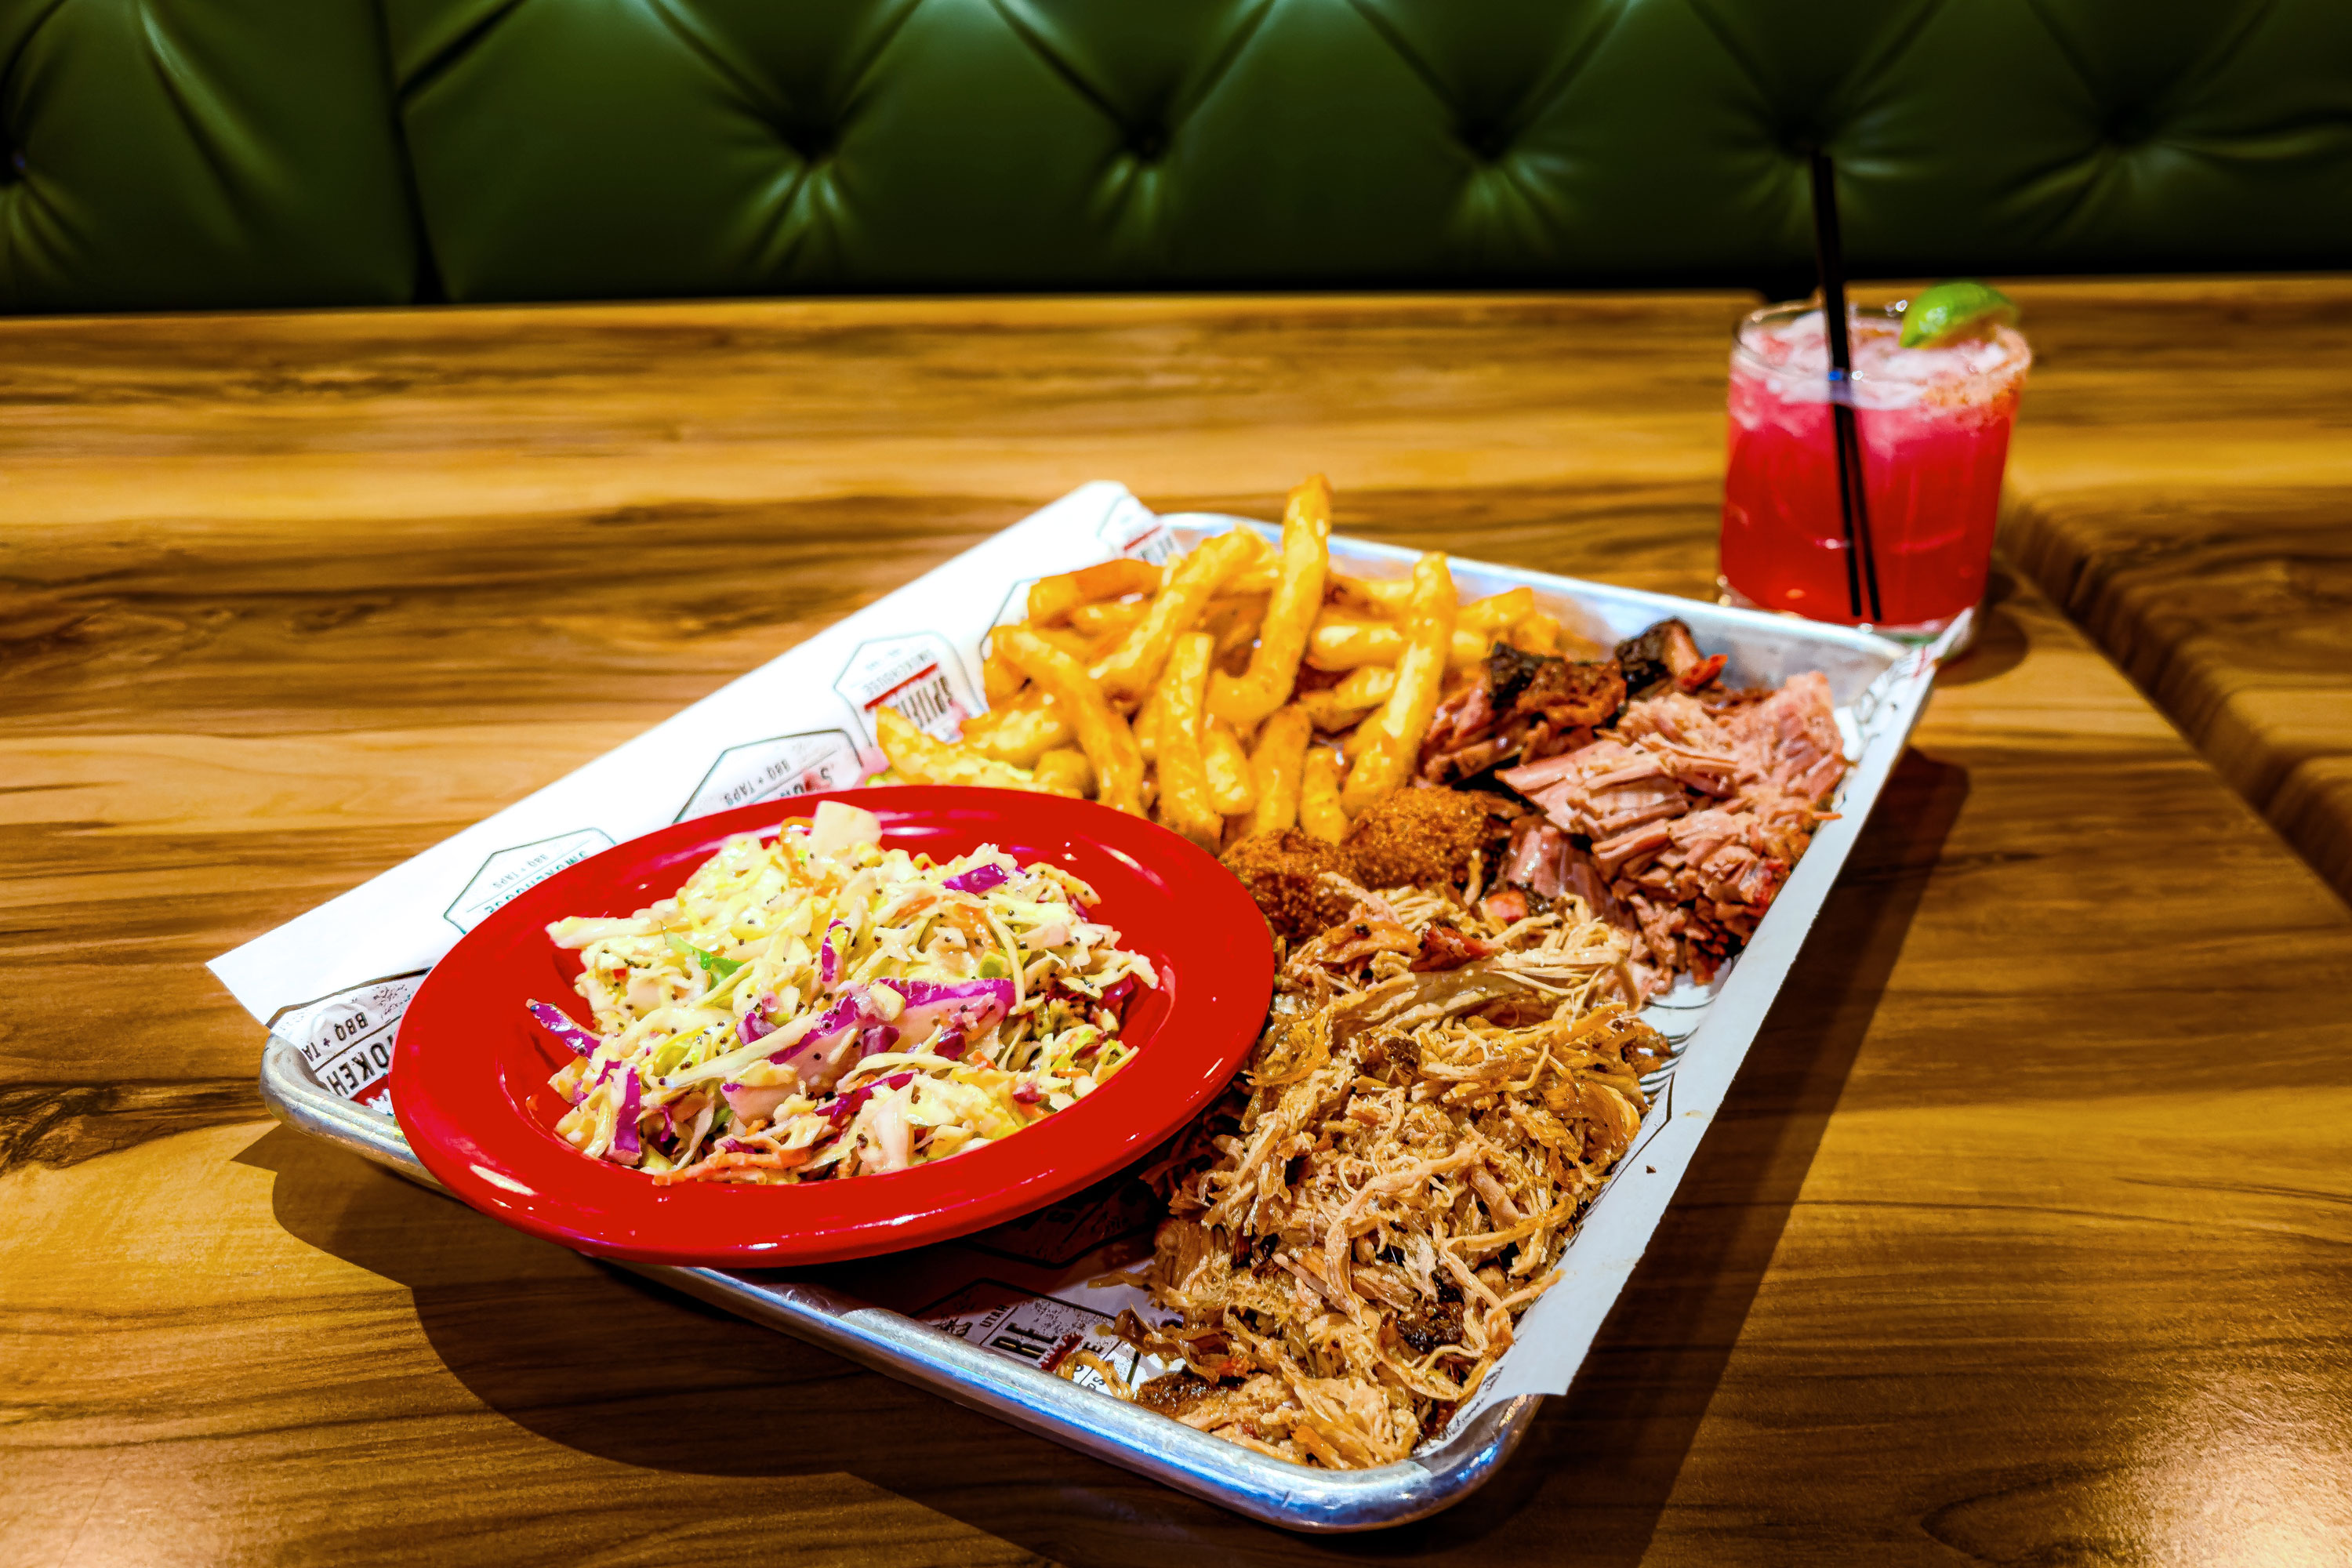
[1147, 727]
[1384, 596]
[1386, 757]
[1290, 613]
[1067, 766]
[1071, 641]
[1185, 805]
[1022, 732]
[1319, 813]
[1051, 598]
[1130, 669]
[919, 759]
[1231, 787]
[1342, 641]
[999, 681]
[1537, 633]
[1358, 692]
[1233, 619]
[1351, 745]
[1276, 766]
[1257, 577]
[1114, 618]
[1490, 615]
[1102, 733]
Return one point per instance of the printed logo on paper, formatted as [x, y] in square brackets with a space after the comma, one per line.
[1133, 528]
[509, 871]
[919, 675]
[346, 1039]
[1044, 1331]
[776, 769]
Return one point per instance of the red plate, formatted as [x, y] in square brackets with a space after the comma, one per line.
[469, 1074]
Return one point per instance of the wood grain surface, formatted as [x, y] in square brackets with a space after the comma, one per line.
[2021, 1239]
[2183, 489]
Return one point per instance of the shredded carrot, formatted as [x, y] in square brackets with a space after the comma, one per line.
[733, 1160]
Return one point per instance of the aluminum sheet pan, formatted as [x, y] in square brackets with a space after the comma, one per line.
[874, 1312]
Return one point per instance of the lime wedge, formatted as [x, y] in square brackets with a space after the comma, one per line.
[1963, 308]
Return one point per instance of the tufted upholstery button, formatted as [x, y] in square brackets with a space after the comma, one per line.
[1491, 143]
[2130, 126]
[1148, 144]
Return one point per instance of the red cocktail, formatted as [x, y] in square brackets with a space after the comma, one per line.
[1934, 423]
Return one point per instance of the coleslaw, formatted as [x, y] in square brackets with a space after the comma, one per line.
[818, 1005]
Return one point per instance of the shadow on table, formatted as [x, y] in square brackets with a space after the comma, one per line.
[612, 1365]
[2000, 645]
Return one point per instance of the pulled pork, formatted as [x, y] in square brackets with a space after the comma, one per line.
[1357, 1228]
[1675, 815]
[1683, 822]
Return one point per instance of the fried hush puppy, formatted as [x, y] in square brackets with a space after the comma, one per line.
[1414, 838]
[1283, 871]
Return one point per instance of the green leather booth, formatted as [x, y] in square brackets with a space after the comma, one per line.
[168, 153]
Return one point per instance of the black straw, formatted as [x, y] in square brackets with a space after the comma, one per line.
[1861, 561]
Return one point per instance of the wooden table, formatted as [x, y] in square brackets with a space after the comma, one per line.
[2021, 1239]
[2183, 489]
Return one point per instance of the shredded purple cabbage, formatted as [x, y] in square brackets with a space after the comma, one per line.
[624, 1128]
[964, 1005]
[557, 1023]
[880, 1038]
[846, 1014]
[841, 1110]
[829, 960]
[979, 880]
[753, 1026]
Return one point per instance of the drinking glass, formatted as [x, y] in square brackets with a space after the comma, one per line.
[1934, 424]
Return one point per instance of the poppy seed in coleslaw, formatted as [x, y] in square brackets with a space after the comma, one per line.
[820, 1005]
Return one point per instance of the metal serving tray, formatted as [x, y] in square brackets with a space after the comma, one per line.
[863, 1312]
[1002, 1385]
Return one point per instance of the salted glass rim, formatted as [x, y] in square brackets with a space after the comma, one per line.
[1793, 310]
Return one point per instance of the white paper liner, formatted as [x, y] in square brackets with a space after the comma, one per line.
[334, 980]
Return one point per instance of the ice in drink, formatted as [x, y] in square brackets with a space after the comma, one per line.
[1934, 424]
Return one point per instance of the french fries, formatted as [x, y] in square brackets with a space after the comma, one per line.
[1290, 611]
[1052, 599]
[1130, 669]
[1344, 642]
[1000, 683]
[1358, 692]
[1492, 614]
[1105, 622]
[1319, 812]
[1385, 759]
[1232, 788]
[1147, 727]
[1022, 732]
[1174, 692]
[1102, 731]
[918, 758]
[1067, 768]
[1275, 767]
[1384, 596]
[1537, 633]
[1185, 804]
